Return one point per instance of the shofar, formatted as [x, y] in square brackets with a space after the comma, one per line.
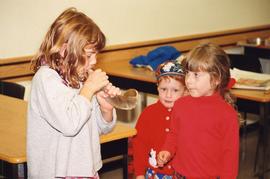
[126, 101]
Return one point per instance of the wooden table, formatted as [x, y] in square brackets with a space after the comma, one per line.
[12, 136]
[123, 75]
[13, 139]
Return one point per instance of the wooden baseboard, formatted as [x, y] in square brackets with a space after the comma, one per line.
[18, 68]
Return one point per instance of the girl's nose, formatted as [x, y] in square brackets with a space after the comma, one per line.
[93, 61]
[188, 80]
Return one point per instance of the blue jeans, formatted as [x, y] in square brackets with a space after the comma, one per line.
[150, 174]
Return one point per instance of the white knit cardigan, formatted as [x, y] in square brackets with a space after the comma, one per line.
[63, 129]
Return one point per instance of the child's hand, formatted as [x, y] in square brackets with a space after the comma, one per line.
[95, 82]
[108, 91]
[163, 157]
[105, 107]
[111, 91]
[140, 177]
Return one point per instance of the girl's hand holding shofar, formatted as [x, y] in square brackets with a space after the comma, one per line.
[95, 82]
[109, 91]
[98, 83]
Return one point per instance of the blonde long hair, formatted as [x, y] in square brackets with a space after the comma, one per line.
[75, 30]
[211, 58]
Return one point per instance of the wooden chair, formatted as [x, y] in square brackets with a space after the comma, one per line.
[247, 63]
[12, 89]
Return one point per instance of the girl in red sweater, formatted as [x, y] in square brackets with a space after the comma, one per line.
[154, 123]
[204, 137]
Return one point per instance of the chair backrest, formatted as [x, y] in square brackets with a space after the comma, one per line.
[247, 63]
[12, 89]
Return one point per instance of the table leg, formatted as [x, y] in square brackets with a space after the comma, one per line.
[143, 100]
[125, 166]
[263, 142]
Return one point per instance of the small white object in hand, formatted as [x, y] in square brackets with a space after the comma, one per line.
[152, 158]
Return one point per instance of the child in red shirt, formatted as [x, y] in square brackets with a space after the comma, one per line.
[154, 123]
[204, 137]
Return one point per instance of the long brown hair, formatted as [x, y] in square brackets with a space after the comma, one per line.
[75, 30]
[211, 58]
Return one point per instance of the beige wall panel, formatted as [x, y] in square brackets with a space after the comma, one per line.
[24, 23]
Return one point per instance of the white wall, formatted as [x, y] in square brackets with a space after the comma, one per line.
[23, 23]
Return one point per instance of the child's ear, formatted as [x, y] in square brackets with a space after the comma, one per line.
[215, 83]
[63, 50]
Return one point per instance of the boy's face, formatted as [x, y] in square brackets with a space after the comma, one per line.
[169, 90]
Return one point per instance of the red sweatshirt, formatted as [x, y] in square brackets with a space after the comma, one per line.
[204, 138]
[152, 127]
